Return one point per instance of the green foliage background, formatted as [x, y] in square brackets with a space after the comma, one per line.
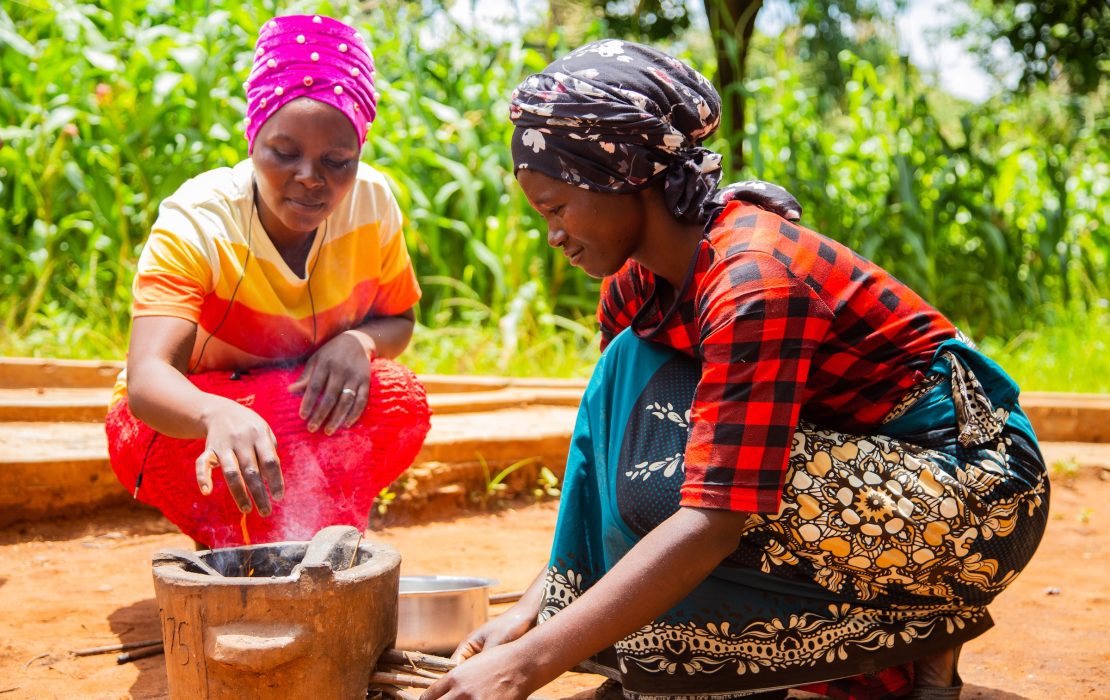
[996, 213]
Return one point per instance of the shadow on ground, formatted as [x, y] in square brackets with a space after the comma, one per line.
[139, 622]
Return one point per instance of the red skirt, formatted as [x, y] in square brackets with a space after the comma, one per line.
[329, 480]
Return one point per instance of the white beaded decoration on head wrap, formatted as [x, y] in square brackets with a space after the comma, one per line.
[346, 88]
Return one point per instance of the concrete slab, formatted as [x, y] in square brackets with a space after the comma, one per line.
[90, 404]
[54, 404]
[1067, 417]
[47, 468]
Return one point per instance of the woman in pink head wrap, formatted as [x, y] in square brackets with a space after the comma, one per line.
[268, 303]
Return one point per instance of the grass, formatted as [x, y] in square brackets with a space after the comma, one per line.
[1069, 354]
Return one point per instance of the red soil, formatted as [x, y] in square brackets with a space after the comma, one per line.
[68, 585]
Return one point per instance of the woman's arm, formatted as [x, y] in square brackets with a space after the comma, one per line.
[336, 379]
[237, 439]
[385, 336]
[508, 626]
[655, 575]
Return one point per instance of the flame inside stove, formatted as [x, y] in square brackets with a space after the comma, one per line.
[246, 541]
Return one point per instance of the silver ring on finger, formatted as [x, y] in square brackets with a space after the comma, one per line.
[348, 391]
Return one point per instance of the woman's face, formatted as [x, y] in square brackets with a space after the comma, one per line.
[305, 161]
[598, 231]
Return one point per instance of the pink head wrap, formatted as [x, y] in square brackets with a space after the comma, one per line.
[310, 56]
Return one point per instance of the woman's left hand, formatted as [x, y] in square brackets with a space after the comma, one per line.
[335, 384]
[499, 673]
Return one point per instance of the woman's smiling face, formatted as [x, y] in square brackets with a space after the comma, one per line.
[305, 160]
[598, 231]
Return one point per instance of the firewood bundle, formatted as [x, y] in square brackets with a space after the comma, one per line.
[399, 671]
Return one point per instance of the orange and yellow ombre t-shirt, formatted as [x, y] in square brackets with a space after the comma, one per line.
[254, 310]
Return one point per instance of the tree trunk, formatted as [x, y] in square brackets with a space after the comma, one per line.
[732, 23]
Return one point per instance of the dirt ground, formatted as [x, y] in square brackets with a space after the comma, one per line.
[76, 584]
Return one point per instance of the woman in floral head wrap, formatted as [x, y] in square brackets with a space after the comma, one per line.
[788, 469]
[267, 303]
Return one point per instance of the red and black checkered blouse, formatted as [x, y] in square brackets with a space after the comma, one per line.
[787, 324]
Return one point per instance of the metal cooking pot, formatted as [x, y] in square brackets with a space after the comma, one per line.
[435, 613]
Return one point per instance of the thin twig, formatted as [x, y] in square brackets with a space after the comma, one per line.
[43, 655]
[399, 657]
[402, 679]
[10, 690]
[389, 668]
[91, 651]
[140, 654]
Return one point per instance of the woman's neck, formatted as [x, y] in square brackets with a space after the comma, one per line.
[295, 254]
[669, 244]
[293, 246]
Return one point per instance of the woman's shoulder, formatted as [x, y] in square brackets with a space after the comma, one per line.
[745, 233]
[370, 201]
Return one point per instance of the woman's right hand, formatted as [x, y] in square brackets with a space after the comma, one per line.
[500, 630]
[237, 439]
[241, 443]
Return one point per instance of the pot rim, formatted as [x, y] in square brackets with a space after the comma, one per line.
[448, 585]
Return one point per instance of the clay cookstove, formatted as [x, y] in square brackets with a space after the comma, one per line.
[288, 620]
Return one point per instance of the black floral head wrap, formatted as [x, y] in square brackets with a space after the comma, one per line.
[615, 116]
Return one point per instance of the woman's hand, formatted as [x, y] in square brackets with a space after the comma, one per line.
[500, 630]
[243, 446]
[236, 438]
[499, 673]
[688, 545]
[336, 383]
[766, 195]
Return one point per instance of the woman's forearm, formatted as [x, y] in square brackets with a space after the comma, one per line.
[158, 392]
[385, 336]
[655, 575]
[162, 397]
[530, 603]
